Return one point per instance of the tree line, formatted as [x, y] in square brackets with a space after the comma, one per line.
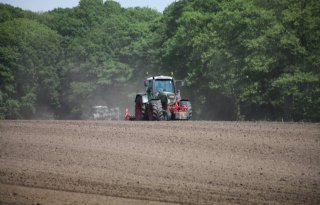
[242, 60]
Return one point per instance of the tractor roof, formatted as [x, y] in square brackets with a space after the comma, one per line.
[161, 77]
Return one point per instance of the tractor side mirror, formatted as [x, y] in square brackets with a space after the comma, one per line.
[145, 83]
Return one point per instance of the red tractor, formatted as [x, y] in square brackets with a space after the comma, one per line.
[162, 101]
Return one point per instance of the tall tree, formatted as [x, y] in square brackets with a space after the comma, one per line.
[30, 52]
[255, 55]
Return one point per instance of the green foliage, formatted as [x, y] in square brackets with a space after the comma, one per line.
[29, 52]
[8, 13]
[262, 57]
[254, 60]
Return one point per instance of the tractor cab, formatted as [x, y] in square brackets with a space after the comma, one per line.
[160, 85]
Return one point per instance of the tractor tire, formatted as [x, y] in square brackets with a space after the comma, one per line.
[187, 103]
[155, 112]
[140, 109]
[167, 115]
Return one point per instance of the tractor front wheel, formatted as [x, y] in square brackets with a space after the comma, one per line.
[167, 115]
[155, 112]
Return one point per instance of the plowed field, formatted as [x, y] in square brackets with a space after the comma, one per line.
[106, 162]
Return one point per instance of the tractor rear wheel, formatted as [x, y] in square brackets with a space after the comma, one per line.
[187, 103]
[140, 109]
[155, 111]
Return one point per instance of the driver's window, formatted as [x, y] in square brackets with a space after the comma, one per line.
[158, 86]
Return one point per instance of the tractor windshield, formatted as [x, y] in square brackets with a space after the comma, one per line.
[164, 85]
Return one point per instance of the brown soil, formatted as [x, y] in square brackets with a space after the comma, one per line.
[104, 162]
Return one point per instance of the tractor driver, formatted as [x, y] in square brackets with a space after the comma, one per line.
[159, 86]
